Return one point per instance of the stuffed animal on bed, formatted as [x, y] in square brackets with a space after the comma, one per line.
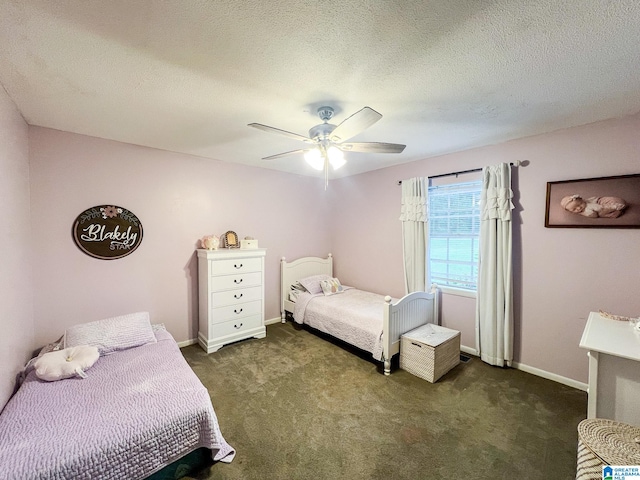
[594, 207]
[67, 363]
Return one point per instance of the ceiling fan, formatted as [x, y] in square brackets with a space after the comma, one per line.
[328, 142]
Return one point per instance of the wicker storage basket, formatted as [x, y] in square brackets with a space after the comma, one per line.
[430, 351]
[605, 442]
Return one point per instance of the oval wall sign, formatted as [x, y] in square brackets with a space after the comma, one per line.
[107, 232]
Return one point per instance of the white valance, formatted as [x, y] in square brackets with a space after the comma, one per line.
[496, 203]
[414, 209]
[415, 200]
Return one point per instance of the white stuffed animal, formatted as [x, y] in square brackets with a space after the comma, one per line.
[67, 363]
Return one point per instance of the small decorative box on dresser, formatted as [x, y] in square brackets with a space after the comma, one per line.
[231, 296]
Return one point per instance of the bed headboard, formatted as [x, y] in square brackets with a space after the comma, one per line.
[291, 272]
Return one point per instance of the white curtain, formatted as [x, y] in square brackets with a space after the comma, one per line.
[494, 304]
[414, 215]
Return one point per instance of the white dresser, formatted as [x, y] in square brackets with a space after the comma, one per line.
[231, 296]
[614, 369]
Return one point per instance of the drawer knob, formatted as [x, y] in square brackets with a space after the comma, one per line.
[238, 326]
[236, 296]
[237, 266]
[235, 280]
[238, 311]
[416, 344]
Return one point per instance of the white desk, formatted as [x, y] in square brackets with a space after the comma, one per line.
[614, 371]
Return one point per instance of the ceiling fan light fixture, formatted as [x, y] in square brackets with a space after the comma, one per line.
[328, 140]
[314, 158]
[336, 157]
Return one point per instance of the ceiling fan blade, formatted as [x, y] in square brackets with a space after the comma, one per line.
[355, 124]
[285, 154]
[371, 147]
[266, 128]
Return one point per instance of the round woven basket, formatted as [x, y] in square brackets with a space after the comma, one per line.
[605, 442]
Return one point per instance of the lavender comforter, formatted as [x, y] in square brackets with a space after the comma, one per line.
[354, 316]
[138, 411]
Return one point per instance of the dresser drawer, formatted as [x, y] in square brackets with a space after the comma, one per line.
[242, 280]
[236, 326]
[232, 297]
[222, 314]
[237, 265]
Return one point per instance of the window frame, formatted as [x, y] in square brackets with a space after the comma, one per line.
[440, 182]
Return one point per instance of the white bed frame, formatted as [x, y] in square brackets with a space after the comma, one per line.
[408, 313]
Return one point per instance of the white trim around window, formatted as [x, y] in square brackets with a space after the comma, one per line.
[460, 292]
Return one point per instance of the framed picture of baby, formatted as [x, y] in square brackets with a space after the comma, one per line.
[604, 202]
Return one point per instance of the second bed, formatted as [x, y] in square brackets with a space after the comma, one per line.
[366, 320]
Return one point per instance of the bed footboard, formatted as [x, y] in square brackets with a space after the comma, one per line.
[409, 312]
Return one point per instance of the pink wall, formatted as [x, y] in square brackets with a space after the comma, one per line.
[178, 198]
[16, 318]
[560, 274]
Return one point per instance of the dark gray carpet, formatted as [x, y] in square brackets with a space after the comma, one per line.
[297, 406]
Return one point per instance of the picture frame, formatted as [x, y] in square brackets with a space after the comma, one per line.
[602, 202]
[231, 240]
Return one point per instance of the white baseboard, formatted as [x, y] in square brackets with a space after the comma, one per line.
[186, 343]
[469, 350]
[551, 376]
[535, 371]
[271, 321]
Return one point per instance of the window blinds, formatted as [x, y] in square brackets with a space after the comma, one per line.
[454, 229]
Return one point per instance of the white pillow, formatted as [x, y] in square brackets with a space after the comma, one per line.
[299, 287]
[112, 334]
[312, 283]
[50, 347]
[294, 294]
[331, 286]
[66, 363]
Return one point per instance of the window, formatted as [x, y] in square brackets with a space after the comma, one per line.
[454, 232]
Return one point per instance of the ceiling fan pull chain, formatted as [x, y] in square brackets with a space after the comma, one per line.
[326, 171]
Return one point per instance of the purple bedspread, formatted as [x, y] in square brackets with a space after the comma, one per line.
[136, 412]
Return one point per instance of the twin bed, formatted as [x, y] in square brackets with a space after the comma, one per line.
[371, 322]
[138, 410]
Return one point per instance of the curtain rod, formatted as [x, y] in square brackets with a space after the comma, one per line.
[517, 163]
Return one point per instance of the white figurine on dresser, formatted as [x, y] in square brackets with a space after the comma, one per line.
[231, 296]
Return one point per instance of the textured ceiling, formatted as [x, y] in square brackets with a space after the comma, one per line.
[188, 76]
